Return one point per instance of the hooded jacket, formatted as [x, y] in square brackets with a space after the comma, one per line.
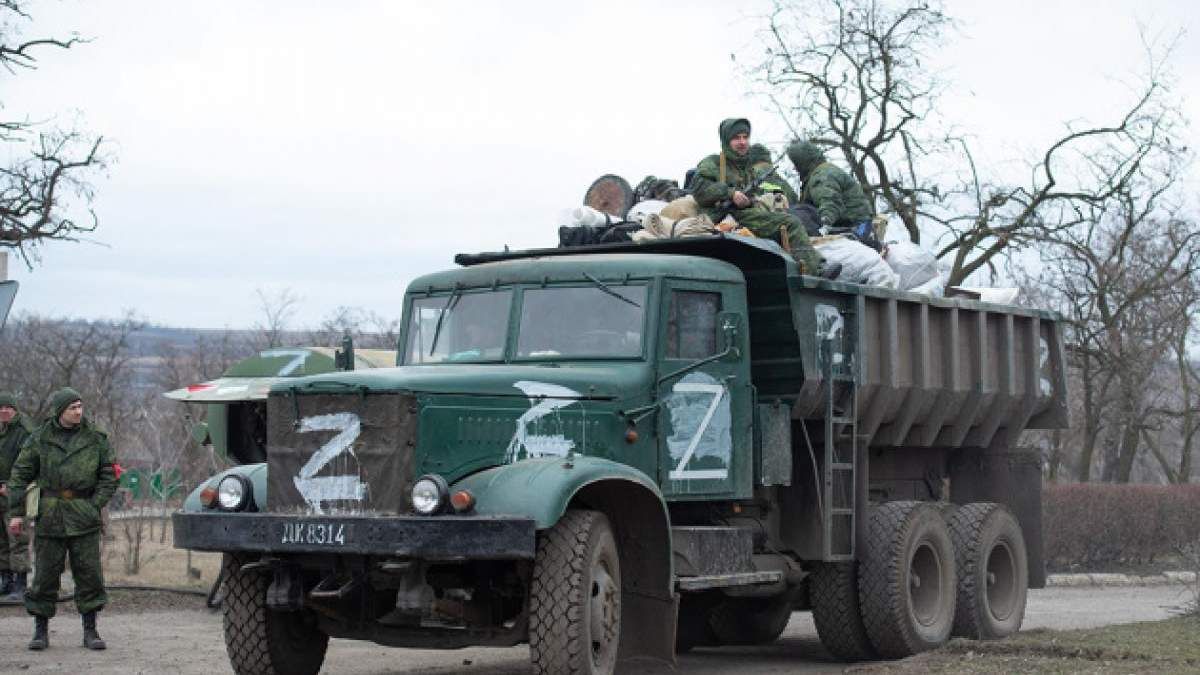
[835, 194]
[710, 189]
[79, 459]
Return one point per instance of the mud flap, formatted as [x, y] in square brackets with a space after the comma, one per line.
[647, 631]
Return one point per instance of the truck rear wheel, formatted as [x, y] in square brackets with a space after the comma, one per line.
[750, 621]
[833, 592]
[993, 573]
[261, 641]
[907, 580]
[575, 599]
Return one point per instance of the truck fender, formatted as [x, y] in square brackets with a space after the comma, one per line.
[255, 473]
[544, 488]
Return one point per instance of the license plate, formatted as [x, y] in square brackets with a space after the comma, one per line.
[314, 534]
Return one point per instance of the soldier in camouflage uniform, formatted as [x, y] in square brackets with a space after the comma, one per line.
[72, 462]
[726, 177]
[14, 548]
[838, 198]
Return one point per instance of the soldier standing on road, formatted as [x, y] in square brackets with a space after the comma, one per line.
[726, 177]
[15, 427]
[72, 462]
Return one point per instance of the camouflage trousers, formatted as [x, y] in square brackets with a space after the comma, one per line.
[14, 548]
[768, 224]
[50, 554]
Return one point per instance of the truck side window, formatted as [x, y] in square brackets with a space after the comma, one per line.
[692, 326]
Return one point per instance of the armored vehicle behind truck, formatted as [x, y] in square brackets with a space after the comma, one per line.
[616, 451]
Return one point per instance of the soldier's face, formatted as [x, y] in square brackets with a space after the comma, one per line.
[740, 143]
[7, 412]
[73, 415]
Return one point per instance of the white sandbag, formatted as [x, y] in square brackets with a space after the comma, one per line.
[860, 263]
[913, 265]
[934, 288]
[999, 296]
[639, 211]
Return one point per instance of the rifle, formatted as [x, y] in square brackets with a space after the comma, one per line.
[725, 206]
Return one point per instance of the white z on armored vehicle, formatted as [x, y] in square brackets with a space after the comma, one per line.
[616, 451]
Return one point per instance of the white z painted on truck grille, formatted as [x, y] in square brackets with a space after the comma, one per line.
[316, 489]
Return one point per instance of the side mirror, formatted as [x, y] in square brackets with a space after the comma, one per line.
[730, 324]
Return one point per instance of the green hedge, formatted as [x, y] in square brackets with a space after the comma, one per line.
[1090, 525]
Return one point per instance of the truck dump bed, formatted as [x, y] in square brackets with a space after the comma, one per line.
[930, 372]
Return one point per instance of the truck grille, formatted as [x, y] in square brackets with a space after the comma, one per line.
[340, 453]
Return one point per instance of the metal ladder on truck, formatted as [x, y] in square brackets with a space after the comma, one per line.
[840, 376]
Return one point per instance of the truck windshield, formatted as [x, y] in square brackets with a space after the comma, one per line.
[458, 327]
[600, 321]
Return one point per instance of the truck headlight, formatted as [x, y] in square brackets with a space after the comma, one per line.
[429, 494]
[233, 493]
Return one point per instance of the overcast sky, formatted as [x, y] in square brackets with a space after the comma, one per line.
[341, 149]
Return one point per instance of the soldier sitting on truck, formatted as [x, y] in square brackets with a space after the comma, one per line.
[722, 186]
[837, 197]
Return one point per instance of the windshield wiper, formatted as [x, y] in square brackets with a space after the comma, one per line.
[446, 309]
[604, 287]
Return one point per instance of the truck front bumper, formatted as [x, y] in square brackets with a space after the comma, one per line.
[425, 538]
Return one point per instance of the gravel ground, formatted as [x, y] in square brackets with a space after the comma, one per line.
[163, 632]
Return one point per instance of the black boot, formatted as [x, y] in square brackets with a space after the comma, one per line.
[6, 581]
[41, 634]
[92, 639]
[17, 589]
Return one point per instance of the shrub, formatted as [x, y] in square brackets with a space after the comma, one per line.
[1091, 525]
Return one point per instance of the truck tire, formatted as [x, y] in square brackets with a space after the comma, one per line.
[261, 641]
[750, 621]
[833, 592]
[575, 597]
[993, 572]
[906, 579]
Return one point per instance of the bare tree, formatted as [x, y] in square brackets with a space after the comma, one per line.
[369, 329]
[95, 357]
[48, 168]
[853, 76]
[277, 313]
[1124, 280]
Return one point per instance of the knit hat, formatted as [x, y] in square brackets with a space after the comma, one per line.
[7, 398]
[62, 399]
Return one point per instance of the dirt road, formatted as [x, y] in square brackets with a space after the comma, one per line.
[170, 634]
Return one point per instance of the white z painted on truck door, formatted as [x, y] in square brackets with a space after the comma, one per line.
[700, 428]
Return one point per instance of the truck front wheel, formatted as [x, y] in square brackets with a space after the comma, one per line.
[993, 573]
[907, 579]
[261, 641]
[575, 597]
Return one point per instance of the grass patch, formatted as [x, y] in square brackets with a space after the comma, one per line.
[1170, 646]
[161, 565]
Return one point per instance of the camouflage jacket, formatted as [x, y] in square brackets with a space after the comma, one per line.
[80, 460]
[710, 189]
[835, 194]
[12, 436]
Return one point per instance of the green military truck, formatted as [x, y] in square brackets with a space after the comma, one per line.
[619, 451]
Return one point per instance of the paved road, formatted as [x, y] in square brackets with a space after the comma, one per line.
[188, 642]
